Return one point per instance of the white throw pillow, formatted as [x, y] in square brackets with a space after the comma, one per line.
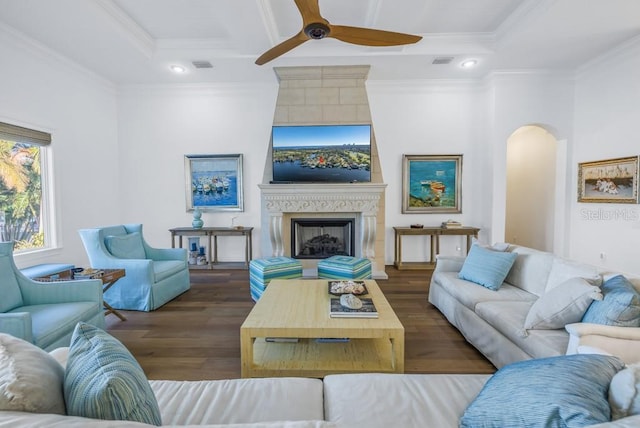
[30, 379]
[497, 246]
[562, 305]
[563, 270]
[624, 392]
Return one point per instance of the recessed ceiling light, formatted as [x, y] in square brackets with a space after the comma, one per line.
[177, 69]
[468, 63]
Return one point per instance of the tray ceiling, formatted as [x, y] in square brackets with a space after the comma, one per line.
[135, 41]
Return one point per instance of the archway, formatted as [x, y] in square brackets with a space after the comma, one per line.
[535, 178]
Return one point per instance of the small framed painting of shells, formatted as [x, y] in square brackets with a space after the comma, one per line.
[609, 181]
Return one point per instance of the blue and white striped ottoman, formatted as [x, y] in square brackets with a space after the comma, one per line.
[263, 271]
[344, 267]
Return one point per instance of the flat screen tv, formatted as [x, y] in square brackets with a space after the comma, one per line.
[321, 154]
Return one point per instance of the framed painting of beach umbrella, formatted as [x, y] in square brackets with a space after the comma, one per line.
[431, 184]
[214, 182]
[610, 181]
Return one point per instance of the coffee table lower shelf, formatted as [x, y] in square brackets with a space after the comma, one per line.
[308, 358]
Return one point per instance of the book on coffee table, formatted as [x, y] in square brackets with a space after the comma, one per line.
[368, 309]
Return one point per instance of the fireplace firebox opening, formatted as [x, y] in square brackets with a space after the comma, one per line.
[319, 238]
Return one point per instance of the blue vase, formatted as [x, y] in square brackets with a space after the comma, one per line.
[197, 222]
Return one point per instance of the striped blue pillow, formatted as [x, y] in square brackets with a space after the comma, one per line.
[620, 306]
[486, 267]
[569, 390]
[104, 381]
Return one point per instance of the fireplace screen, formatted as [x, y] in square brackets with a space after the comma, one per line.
[321, 238]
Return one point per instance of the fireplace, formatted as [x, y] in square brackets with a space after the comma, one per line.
[319, 238]
[282, 203]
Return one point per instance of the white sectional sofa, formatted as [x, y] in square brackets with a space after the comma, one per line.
[493, 321]
[353, 401]
[33, 393]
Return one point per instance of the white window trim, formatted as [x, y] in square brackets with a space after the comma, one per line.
[49, 215]
[50, 210]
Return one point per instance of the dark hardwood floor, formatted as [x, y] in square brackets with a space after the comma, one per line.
[197, 335]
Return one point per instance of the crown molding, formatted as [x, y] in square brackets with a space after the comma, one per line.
[140, 38]
[372, 14]
[613, 55]
[322, 72]
[193, 44]
[269, 21]
[526, 12]
[541, 72]
[198, 89]
[49, 55]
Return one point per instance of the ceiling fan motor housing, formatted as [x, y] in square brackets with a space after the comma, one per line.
[316, 30]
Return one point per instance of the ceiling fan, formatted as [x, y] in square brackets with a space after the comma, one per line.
[314, 26]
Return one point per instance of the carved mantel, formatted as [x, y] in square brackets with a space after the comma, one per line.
[361, 199]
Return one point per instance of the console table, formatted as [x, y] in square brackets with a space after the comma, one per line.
[212, 234]
[434, 233]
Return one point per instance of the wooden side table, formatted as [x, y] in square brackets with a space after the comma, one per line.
[109, 278]
[212, 234]
[434, 234]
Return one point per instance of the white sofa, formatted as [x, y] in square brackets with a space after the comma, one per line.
[347, 400]
[493, 321]
[350, 400]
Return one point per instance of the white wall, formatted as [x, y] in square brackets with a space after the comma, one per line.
[606, 127]
[422, 118]
[158, 126]
[45, 92]
[520, 99]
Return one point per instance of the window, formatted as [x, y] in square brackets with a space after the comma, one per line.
[23, 201]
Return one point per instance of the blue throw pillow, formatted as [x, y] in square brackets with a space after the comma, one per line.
[487, 267]
[125, 246]
[104, 381]
[620, 306]
[570, 390]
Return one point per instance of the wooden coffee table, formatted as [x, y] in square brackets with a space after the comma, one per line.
[300, 309]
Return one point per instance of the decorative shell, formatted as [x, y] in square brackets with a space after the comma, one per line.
[347, 287]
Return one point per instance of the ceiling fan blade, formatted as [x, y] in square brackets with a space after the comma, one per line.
[370, 37]
[282, 48]
[310, 11]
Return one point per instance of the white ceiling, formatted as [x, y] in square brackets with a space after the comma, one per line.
[135, 41]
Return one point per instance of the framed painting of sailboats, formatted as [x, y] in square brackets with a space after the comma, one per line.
[611, 181]
[214, 182]
[431, 184]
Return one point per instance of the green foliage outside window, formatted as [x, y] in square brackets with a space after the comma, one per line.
[20, 195]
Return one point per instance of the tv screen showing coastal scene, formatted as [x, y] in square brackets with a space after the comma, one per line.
[322, 153]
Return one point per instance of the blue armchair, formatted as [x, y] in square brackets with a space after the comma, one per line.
[45, 313]
[153, 276]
